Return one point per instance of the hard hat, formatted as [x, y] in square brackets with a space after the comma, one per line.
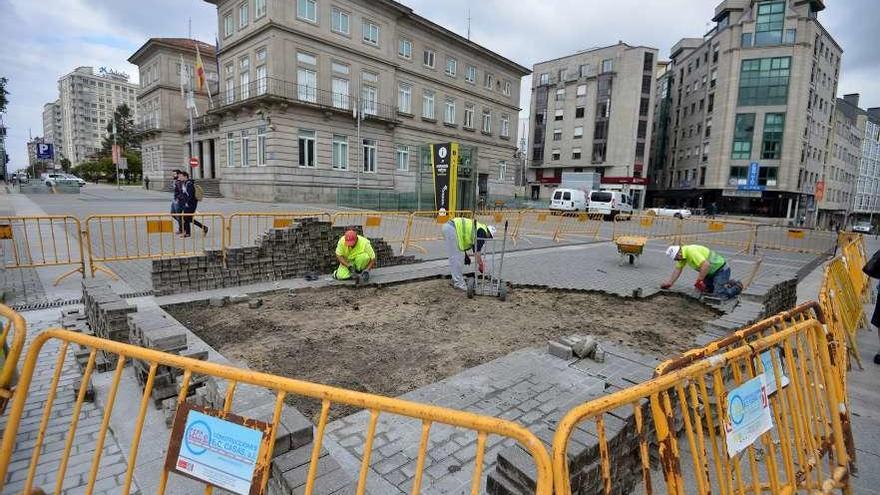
[441, 212]
[672, 251]
[492, 230]
[351, 238]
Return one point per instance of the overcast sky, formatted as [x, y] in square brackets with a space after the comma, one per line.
[42, 40]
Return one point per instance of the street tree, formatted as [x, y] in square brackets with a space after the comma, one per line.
[125, 135]
[4, 100]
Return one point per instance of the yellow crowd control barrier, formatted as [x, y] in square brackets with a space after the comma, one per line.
[40, 241]
[481, 426]
[113, 238]
[11, 345]
[537, 223]
[854, 255]
[844, 302]
[499, 218]
[649, 226]
[687, 415]
[390, 226]
[579, 226]
[795, 240]
[716, 233]
[426, 226]
[243, 229]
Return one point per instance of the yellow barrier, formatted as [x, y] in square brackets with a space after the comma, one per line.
[579, 224]
[243, 229]
[807, 428]
[649, 226]
[537, 223]
[855, 257]
[38, 241]
[114, 238]
[11, 345]
[426, 226]
[498, 218]
[795, 240]
[716, 233]
[390, 226]
[482, 426]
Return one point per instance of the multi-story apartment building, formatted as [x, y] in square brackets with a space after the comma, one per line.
[163, 117]
[836, 189]
[752, 108]
[592, 112]
[660, 126]
[867, 200]
[318, 96]
[52, 130]
[87, 102]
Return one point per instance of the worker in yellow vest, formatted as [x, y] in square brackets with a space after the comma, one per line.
[463, 235]
[355, 254]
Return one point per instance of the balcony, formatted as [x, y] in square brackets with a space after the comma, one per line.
[146, 128]
[276, 90]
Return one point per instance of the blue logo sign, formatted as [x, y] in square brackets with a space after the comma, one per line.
[197, 437]
[752, 181]
[45, 151]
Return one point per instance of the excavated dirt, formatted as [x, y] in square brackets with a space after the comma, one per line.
[396, 339]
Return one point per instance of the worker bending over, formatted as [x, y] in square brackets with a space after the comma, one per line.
[713, 275]
[463, 235]
[355, 254]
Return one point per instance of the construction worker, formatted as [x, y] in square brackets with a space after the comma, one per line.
[713, 275]
[355, 254]
[462, 235]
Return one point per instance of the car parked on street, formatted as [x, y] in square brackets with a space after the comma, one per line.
[669, 212]
[610, 204]
[565, 200]
[862, 228]
[53, 179]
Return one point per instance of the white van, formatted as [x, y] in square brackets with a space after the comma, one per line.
[610, 203]
[569, 200]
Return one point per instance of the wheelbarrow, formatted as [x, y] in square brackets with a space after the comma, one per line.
[630, 248]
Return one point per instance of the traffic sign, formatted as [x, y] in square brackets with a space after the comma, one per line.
[45, 151]
[193, 162]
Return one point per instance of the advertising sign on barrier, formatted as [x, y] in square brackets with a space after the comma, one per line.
[748, 415]
[220, 452]
[769, 375]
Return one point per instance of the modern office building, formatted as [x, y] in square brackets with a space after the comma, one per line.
[867, 201]
[320, 98]
[163, 118]
[837, 186]
[52, 129]
[752, 111]
[87, 102]
[592, 112]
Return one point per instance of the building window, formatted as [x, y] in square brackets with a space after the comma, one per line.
[582, 90]
[554, 155]
[468, 116]
[708, 127]
[402, 158]
[642, 130]
[428, 58]
[369, 155]
[262, 80]
[790, 36]
[242, 16]
[607, 65]
[230, 84]
[340, 90]
[711, 104]
[261, 146]
[644, 107]
[471, 74]
[306, 148]
[575, 153]
[449, 113]
[244, 66]
[578, 132]
[744, 129]
[230, 150]
[245, 149]
[259, 8]
[507, 88]
[768, 27]
[307, 85]
[505, 125]
[557, 134]
[451, 66]
[502, 170]
[560, 94]
[339, 21]
[228, 24]
[579, 112]
[369, 96]
[715, 54]
[487, 121]
[774, 125]
[307, 10]
[544, 79]
[404, 98]
[764, 81]
[559, 114]
[370, 33]
[488, 81]
[640, 152]
[404, 48]
[340, 152]
[428, 105]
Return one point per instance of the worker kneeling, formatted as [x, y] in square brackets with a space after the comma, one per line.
[355, 254]
[713, 275]
[463, 235]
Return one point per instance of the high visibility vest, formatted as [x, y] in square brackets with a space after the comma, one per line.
[465, 232]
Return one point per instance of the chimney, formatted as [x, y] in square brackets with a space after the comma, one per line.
[852, 99]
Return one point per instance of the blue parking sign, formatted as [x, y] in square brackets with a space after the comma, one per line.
[45, 151]
[753, 173]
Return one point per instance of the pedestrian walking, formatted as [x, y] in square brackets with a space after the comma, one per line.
[189, 205]
[177, 199]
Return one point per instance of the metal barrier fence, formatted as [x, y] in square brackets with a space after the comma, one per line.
[150, 236]
[853, 251]
[714, 233]
[11, 346]
[481, 426]
[795, 240]
[243, 229]
[537, 223]
[650, 226]
[390, 226]
[426, 226]
[40, 241]
[579, 225]
[799, 387]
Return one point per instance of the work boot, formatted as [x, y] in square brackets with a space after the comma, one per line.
[459, 285]
[365, 277]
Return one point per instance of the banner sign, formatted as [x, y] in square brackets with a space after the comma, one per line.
[748, 415]
[769, 374]
[444, 165]
[219, 449]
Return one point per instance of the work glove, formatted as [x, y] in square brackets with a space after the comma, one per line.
[700, 286]
[481, 266]
[467, 260]
[665, 285]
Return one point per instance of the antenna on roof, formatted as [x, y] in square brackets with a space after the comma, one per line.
[469, 23]
[190, 28]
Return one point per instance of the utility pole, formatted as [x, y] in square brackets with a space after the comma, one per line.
[360, 145]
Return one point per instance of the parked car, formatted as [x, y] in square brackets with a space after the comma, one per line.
[669, 212]
[52, 179]
[610, 203]
[565, 200]
[79, 181]
[862, 227]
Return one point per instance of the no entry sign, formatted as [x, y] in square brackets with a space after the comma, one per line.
[193, 162]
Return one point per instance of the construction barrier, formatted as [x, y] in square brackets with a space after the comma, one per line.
[481, 426]
[113, 238]
[796, 410]
[41, 241]
[392, 227]
[498, 218]
[244, 229]
[716, 233]
[426, 226]
[648, 226]
[795, 240]
[580, 226]
[542, 224]
[11, 345]
[853, 252]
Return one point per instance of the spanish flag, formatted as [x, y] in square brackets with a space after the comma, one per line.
[200, 71]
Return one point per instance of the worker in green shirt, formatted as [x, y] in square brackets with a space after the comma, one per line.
[462, 235]
[713, 274]
[355, 254]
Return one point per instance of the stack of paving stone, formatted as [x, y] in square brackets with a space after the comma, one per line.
[155, 329]
[106, 312]
[307, 246]
[776, 293]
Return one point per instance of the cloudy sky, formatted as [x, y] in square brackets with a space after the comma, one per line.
[45, 39]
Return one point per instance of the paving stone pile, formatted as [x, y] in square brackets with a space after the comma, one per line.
[307, 246]
[106, 313]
